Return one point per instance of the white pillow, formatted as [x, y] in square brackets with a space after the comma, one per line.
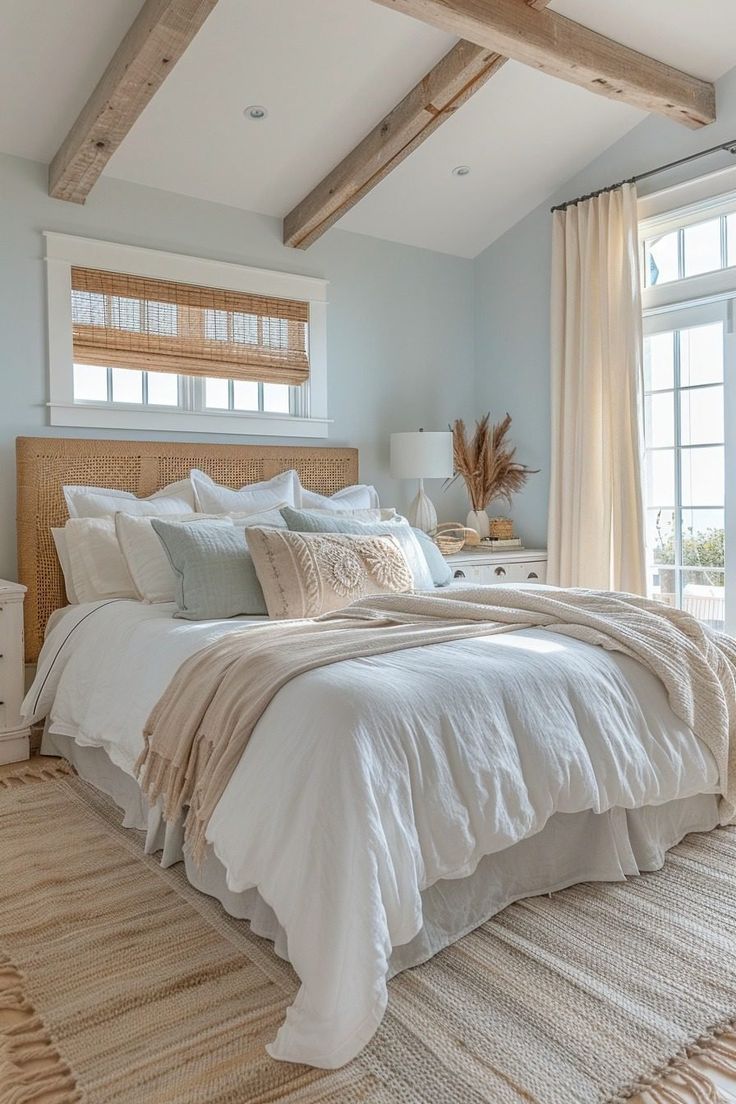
[145, 557]
[266, 519]
[62, 552]
[84, 502]
[97, 565]
[213, 498]
[358, 497]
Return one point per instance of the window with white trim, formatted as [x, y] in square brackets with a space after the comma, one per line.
[689, 276]
[140, 339]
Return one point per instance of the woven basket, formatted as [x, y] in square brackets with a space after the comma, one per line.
[452, 537]
[501, 528]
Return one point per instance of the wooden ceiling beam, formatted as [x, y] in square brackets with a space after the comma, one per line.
[565, 49]
[454, 79]
[156, 40]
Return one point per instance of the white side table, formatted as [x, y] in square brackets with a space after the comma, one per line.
[14, 735]
[517, 565]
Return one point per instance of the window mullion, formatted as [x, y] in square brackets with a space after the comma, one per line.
[729, 449]
[678, 474]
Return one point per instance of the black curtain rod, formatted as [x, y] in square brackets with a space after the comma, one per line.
[729, 146]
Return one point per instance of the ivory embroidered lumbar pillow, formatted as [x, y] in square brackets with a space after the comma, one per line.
[306, 574]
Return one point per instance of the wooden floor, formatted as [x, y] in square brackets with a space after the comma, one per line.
[726, 1085]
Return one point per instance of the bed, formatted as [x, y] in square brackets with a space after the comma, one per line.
[384, 806]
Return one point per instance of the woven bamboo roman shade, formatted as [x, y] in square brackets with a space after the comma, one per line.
[134, 322]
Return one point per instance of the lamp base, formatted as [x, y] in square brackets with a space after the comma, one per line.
[422, 514]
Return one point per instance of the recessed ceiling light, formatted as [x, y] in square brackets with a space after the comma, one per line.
[255, 112]
[461, 170]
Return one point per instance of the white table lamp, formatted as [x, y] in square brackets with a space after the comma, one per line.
[421, 456]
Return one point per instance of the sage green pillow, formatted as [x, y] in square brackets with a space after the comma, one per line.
[428, 565]
[215, 574]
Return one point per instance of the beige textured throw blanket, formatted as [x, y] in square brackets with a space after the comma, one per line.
[200, 728]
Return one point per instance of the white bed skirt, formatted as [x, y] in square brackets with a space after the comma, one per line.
[571, 848]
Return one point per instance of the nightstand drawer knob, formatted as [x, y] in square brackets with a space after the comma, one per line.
[532, 575]
[500, 571]
[459, 574]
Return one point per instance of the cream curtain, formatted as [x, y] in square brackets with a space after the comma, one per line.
[596, 518]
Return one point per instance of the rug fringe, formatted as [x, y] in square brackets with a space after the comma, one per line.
[26, 1042]
[34, 771]
[680, 1082]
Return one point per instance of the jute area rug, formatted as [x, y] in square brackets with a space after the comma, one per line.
[119, 984]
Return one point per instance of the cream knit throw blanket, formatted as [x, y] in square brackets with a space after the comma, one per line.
[200, 728]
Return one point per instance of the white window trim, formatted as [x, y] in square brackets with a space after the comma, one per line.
[683, 205]
[64, 250]
[701, 194]
[696, 300]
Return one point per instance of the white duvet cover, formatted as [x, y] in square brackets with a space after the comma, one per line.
[367, 781]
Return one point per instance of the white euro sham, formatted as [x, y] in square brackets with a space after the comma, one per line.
[85, 502]
[213, 498]
[145, 557]
[358, 497]
[98, 567]
[62, 553]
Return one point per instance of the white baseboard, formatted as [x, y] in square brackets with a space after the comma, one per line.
[15, 746]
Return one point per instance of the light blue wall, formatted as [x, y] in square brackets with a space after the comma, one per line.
[400, 320]
[414, 337]
[513, 283]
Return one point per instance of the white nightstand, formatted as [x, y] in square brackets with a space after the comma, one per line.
[519, 565]
[14, 735]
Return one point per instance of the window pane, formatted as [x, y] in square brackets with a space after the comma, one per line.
[659, 361]
[659, 419]
[88, 308]
[90, 383]
[701, 354]
[703, 538]
[163, 388]
[702, 477]
[245, 328]
[701, 416]
[704, 596]
[661, 478]
[245, 395]
[127, 385]
[731, 239]
[661, 259]
[275, 332]
[215, 325]
[661, 584]
[125, 314]
[216, 393]
[661, 536]
[161, 318]
[276, 398]
[703, 247]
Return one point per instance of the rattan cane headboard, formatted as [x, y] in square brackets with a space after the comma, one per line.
[45, 464]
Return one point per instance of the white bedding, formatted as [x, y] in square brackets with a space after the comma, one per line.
[368, 781]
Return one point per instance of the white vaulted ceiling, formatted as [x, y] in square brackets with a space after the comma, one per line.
[328, 70]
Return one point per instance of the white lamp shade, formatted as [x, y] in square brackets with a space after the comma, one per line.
[421, 455]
